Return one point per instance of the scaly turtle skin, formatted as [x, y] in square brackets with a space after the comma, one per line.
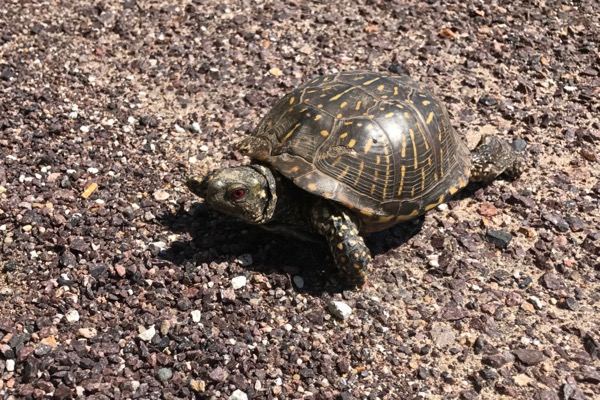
[348, 154]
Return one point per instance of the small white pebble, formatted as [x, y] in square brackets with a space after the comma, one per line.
[204, 148]
[238, 395]
[147, 334]
[196, 127]
[131, 120]
[340, 309]
[93, 170]
[288, 327]
[84, 128]
[537, 303]
[298, 281]
[238, 282]
[179, 129]
[196, 314]
[442, 207]
[161, 195]
[72, 315]
[73, 115]
[10, 365]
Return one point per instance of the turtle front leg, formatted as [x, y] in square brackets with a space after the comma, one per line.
[351, 254]
[493, 157]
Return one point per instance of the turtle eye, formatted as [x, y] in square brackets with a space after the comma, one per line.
[237, 194]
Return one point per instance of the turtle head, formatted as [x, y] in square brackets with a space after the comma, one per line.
[243, 192]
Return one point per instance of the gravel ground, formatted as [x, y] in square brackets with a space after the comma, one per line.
[117, 283]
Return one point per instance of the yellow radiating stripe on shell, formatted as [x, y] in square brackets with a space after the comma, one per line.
[414, 146]
[351, 143]
[371, 81]
[318, 117]
[324, 133]
[292, 100]
[429, 118]
[402, 173]
[358, 103]
[337, 96]
[290, 133]
[361, 166]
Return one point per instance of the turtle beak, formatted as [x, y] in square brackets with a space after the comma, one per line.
[198, 185]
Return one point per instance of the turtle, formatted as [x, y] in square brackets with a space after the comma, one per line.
[348, 154]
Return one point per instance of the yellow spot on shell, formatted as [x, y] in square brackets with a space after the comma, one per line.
[318, 117]
[380, 87]
[429, 118]
[343, 135]
[389, 115]
[348, 123]
[319, 105]
[324, 133]
[295, 168]
[366, 213]
[357, 107]
[422, 179]
[368, 145]
[378, 160]
[312, 187]
[453, 190]
[344, 104]
[395, 90]
[351, 143]
[426, 102]
[339, 116]
[292, 100]
[340, 246]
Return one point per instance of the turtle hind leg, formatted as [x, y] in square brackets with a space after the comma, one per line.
[351, 254]
[493, 157]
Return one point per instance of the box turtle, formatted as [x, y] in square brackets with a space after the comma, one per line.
[348, 154]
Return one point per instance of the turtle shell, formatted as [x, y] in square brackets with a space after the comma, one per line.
[380, 145]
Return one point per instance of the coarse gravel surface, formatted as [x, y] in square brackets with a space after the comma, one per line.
[117, 283]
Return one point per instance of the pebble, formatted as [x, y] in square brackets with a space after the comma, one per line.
[10, 365]
[72, 315]
[238, 282]
[500, 239]
[87, 333]
[147, 334]
[198, 385]
[196, 314]
[204, 148]
[529, 356]
[196, 127]
[537, 303]
[164, 374]
[156, 247]
[340, 309]
[238, 395]
[298, 281]
[161, 195]
[442, 335]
